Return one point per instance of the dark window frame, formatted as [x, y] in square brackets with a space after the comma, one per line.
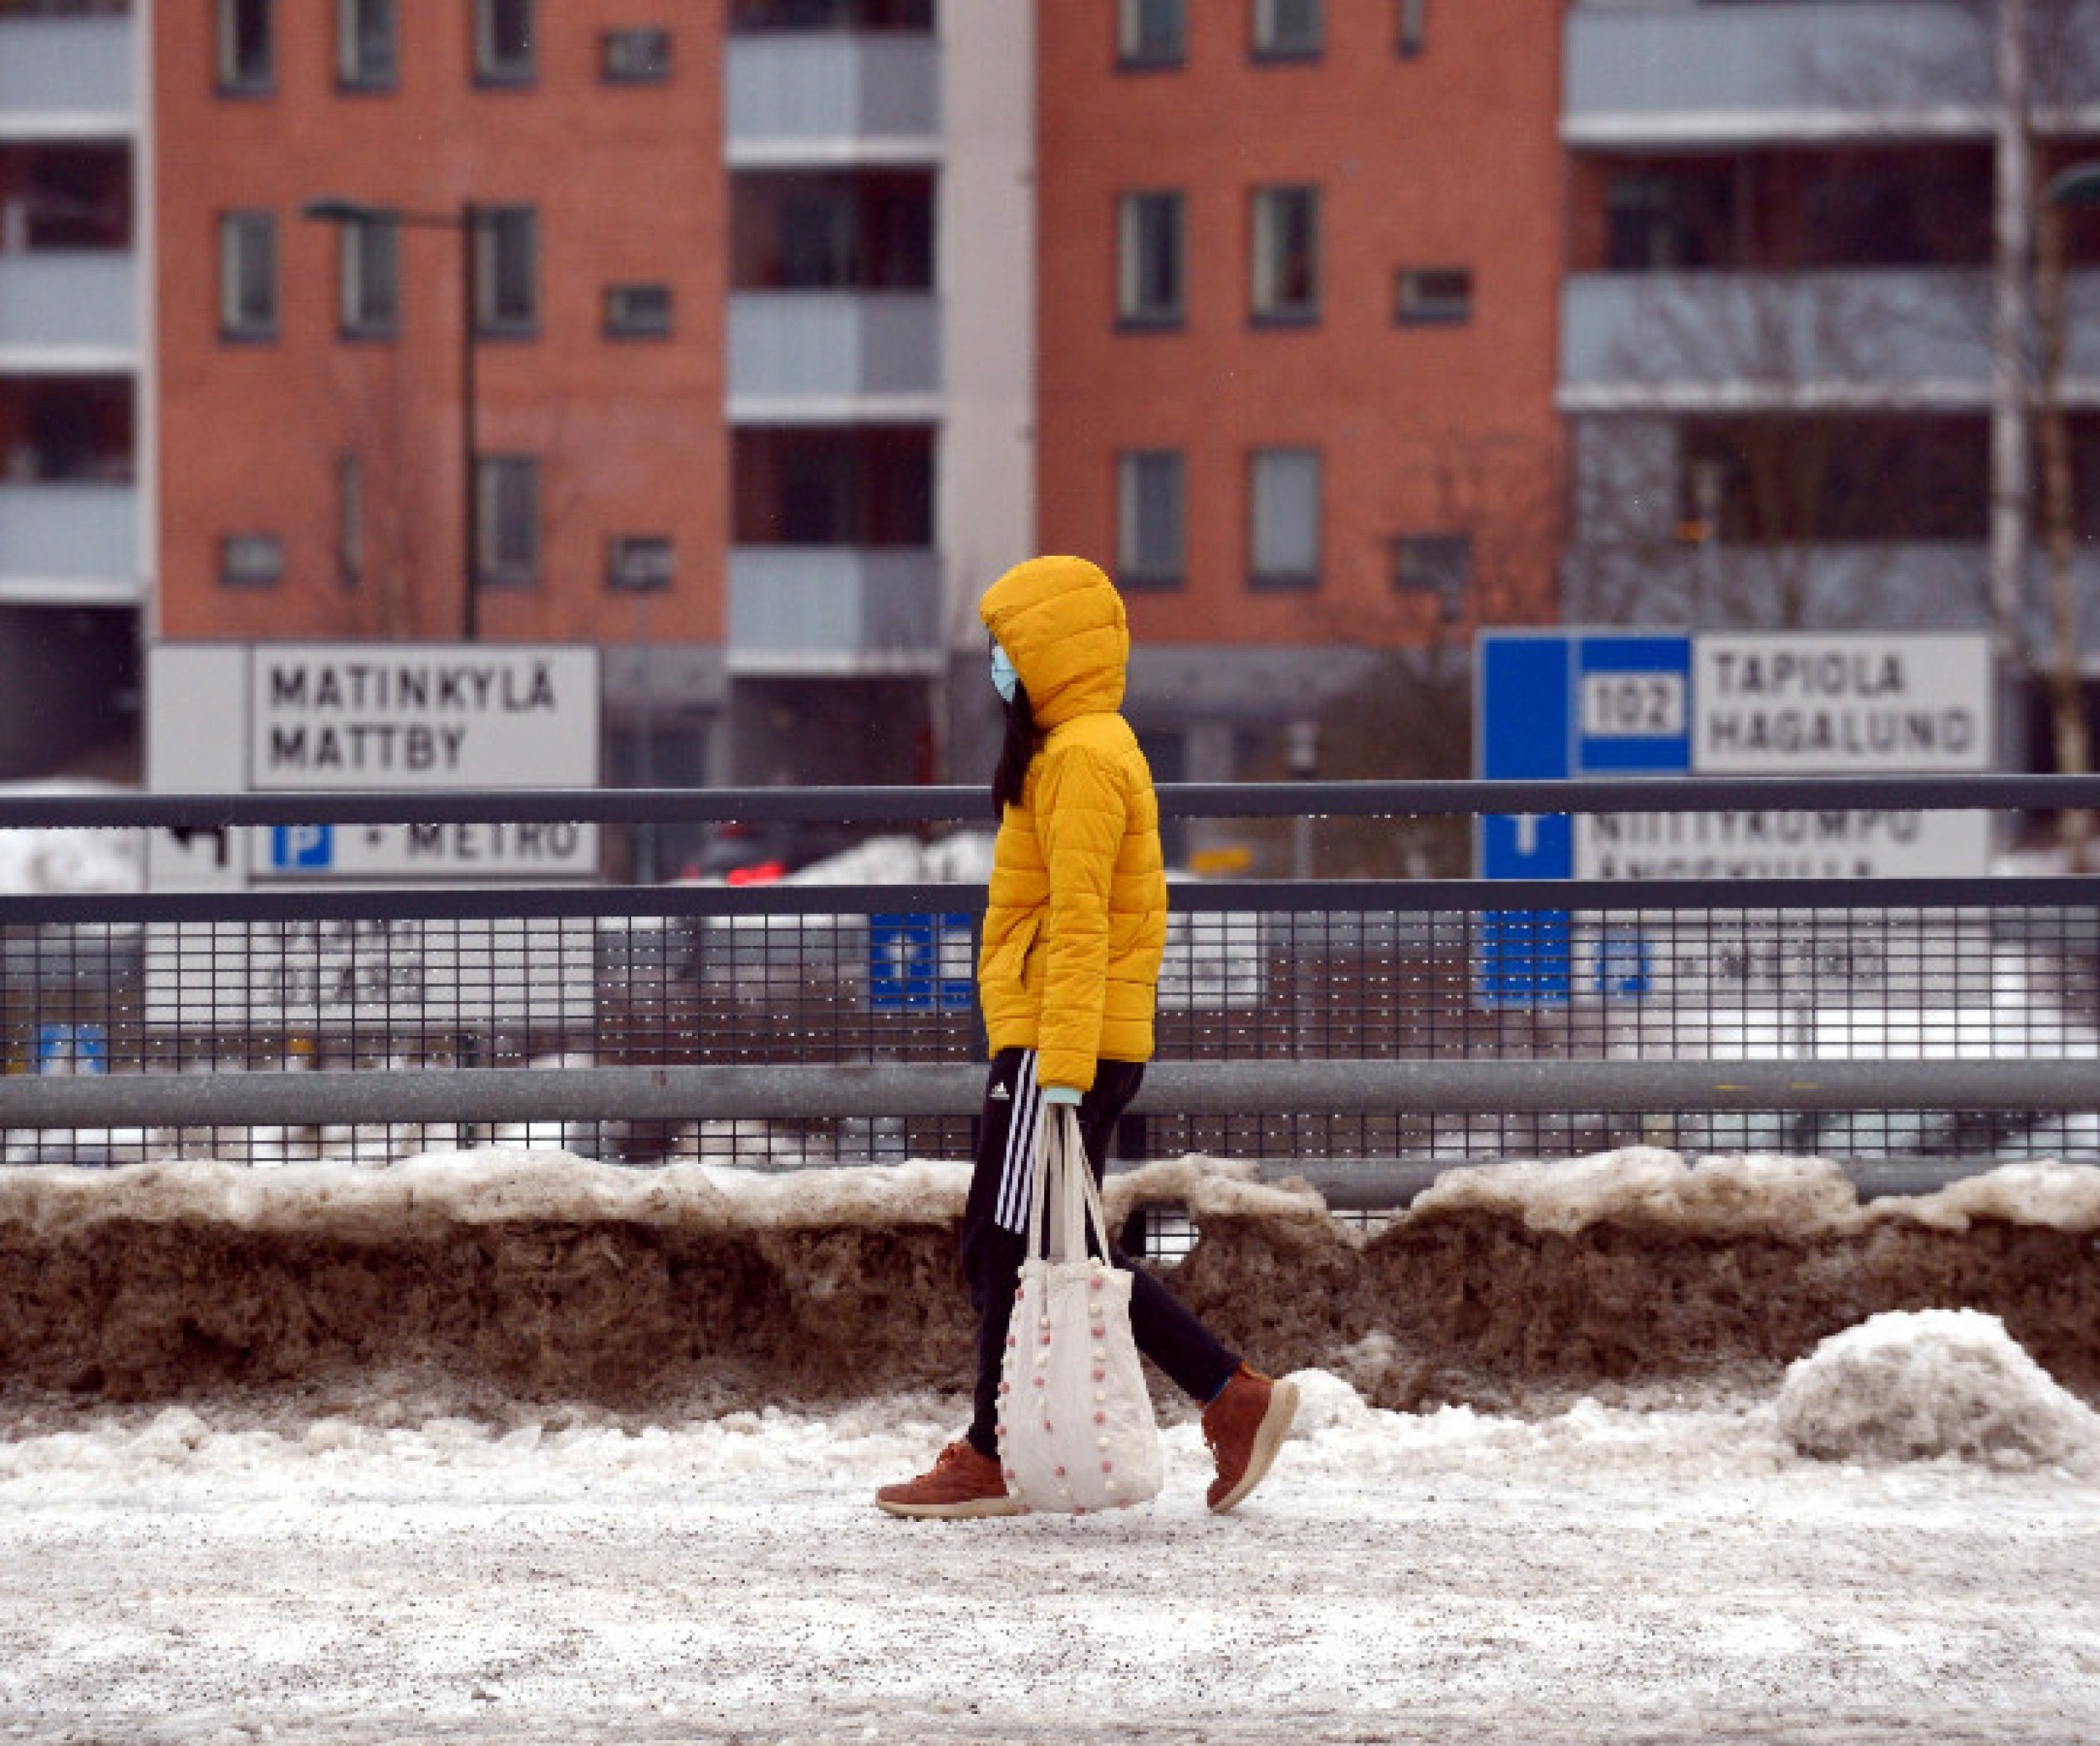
[624, 574]
[618, 325]
[1296, 579]
[1133, 572]
[242, 575]
[1426, 309]
[613, 43]
[1265, 309]
[354, 75]
[1264, 50]
[234, 77]
[494, 568]
[354, 321]
[1132, 311]
[1135, 54]
[497, 227]
[1439, 565]
[1411, 29]
[492, 70]
[236, 325]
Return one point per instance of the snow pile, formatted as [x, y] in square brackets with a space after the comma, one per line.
[1920, 1384]
[67, 860]
[521, 1273]
[1642, 1185]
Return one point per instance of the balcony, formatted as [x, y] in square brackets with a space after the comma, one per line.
[71, 544]
[1911, 586]
[835, 97]
[64, 78]
[1691, 341]
[68, 311]
[819, 356]
[834, 610]
[1688, 75]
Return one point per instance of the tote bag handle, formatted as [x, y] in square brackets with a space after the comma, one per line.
[1060, 1152]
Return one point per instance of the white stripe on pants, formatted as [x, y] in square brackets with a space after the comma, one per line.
[1017, 1170]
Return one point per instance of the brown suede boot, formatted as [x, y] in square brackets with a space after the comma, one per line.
[1245, 1427]
[961, 1483]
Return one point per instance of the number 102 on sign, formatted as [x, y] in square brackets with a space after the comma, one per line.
[1633, 705]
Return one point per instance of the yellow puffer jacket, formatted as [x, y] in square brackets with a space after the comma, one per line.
[1077, 922]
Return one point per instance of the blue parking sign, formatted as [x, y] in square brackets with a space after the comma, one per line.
[303, 848]
[921, 963]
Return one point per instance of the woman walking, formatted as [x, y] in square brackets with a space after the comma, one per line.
[1068, 976]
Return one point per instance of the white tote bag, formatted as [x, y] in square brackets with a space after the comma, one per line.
[1076, 1430]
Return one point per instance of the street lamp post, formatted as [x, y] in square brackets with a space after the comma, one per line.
[466, 223]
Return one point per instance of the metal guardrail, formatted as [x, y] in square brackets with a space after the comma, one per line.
[1364, 1033]
[936, 803]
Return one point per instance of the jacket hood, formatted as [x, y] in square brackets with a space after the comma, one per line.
[1060, 622]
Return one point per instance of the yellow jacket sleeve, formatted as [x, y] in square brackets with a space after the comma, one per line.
[1080, 812]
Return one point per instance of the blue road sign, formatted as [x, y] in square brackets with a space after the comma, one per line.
[921, 963]
[303, 848]
[72, 1049]
[1549, 706]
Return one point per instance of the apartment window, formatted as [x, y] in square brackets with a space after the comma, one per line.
[1150, 520]
[371, 278]
[503, 42]
[367, 44]
[1287, 254]
[350, 520]
[1287, 29]
[508, 522]
[251, 560]
[635, 56]
[1441, 564]
[1152, 33]
[248, 46]
[507, 271]
[247, 275]
[638, 312]
[1414, 26]
[1150, 273]
[1283, 515]
[640, 563]
[1424, 295]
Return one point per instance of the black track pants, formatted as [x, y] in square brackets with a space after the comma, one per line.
[994, 1224]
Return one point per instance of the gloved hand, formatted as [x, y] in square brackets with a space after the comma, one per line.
[1061, 1094]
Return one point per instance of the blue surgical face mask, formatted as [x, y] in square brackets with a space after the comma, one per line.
[1003, 677]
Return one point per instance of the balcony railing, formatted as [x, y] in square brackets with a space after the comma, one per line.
[838, 609]
[1688, 74]
[84, 306]
[75, 544]
[804, 351]
[67, 78]
[1656, 340]
[832, 99]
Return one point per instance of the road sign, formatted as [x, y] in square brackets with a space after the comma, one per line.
[1560, 704]
[357, 976]
[1857, 703]
[229, 719]
[388, 854]
[1575, 703]
[429, 715]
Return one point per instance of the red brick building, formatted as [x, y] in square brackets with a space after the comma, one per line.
[1298, 269]
[310, 372]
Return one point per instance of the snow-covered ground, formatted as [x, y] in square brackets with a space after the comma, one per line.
[61, 858]
[357, 1569]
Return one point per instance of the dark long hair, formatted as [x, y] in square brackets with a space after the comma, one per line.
[1016, 752]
